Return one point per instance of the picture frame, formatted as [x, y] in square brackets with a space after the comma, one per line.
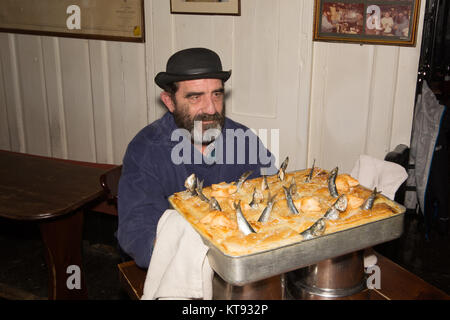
[383, 22]
[114, 20]
[208, 7]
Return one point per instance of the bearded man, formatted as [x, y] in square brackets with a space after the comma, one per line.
[194, 136]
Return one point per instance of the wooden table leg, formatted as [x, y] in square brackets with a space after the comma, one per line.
[62, 239]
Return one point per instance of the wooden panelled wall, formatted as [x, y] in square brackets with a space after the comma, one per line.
[86, 99]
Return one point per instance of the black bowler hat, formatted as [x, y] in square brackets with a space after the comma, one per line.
[190, 64]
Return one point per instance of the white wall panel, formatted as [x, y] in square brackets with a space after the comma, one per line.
[255, 60]
[343, 120]
[128, 89]
[77, 99]
[304, 92]
[272, 60]
[54, 94]
[33, 94]
[190, 32]
[12, 92]
[381, 103]
[5, 143]
[101, 98]
[160, 44]
[339, 123]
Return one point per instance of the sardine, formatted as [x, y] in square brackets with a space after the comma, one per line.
[191, 184]
[264, 217]
[264, 184]
[332, 183]
[200, 191]
[368, 204]
[214, 204]
[317, 229]
[339, 206]
[310, 175]
[241, 180]
[289, 192]
[341, 203]
[253, 203]
[282, 171]
[242, 223]
[285, 163]
[281, 174]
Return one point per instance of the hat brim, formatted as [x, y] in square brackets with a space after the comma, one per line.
[164, 78]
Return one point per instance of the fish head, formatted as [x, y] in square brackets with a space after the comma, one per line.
[246, 174]
[285, 163]
[341, 203]
[319, 227]
[334, 172]
[214, 204]
[191, 182]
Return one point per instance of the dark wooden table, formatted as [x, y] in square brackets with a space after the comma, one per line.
[397, 283]
[53, 193]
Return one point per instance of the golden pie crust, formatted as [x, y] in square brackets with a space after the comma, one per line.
[312, 199]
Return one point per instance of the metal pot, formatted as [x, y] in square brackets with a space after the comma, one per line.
[267, 289]
[331, 278]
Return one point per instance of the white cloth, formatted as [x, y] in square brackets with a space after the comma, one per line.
[179, 268]
[370, 260]
[386, 176]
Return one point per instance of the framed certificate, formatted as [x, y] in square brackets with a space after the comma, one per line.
[121, 20]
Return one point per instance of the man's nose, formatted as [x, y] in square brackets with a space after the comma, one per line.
[209, 106]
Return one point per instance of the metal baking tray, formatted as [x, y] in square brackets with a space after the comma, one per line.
[242, 270]
[254, 267]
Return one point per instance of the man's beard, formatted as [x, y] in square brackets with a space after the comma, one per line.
[200, 133]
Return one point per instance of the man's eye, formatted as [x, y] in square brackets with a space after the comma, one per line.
[218, 94]
[194, 98]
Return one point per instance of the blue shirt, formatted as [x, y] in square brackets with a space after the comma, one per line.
[155, 167]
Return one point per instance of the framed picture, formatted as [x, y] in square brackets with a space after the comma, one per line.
[222, 7]
[388, 22]
[118, 20]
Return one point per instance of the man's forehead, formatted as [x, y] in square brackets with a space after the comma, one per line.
[211, 84]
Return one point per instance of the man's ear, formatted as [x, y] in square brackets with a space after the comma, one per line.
[167, 100]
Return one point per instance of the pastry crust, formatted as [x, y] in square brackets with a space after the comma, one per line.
[312, 199]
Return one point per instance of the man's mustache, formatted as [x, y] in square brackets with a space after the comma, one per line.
[208, 117]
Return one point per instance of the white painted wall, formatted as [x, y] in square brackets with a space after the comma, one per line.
[86, 99]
